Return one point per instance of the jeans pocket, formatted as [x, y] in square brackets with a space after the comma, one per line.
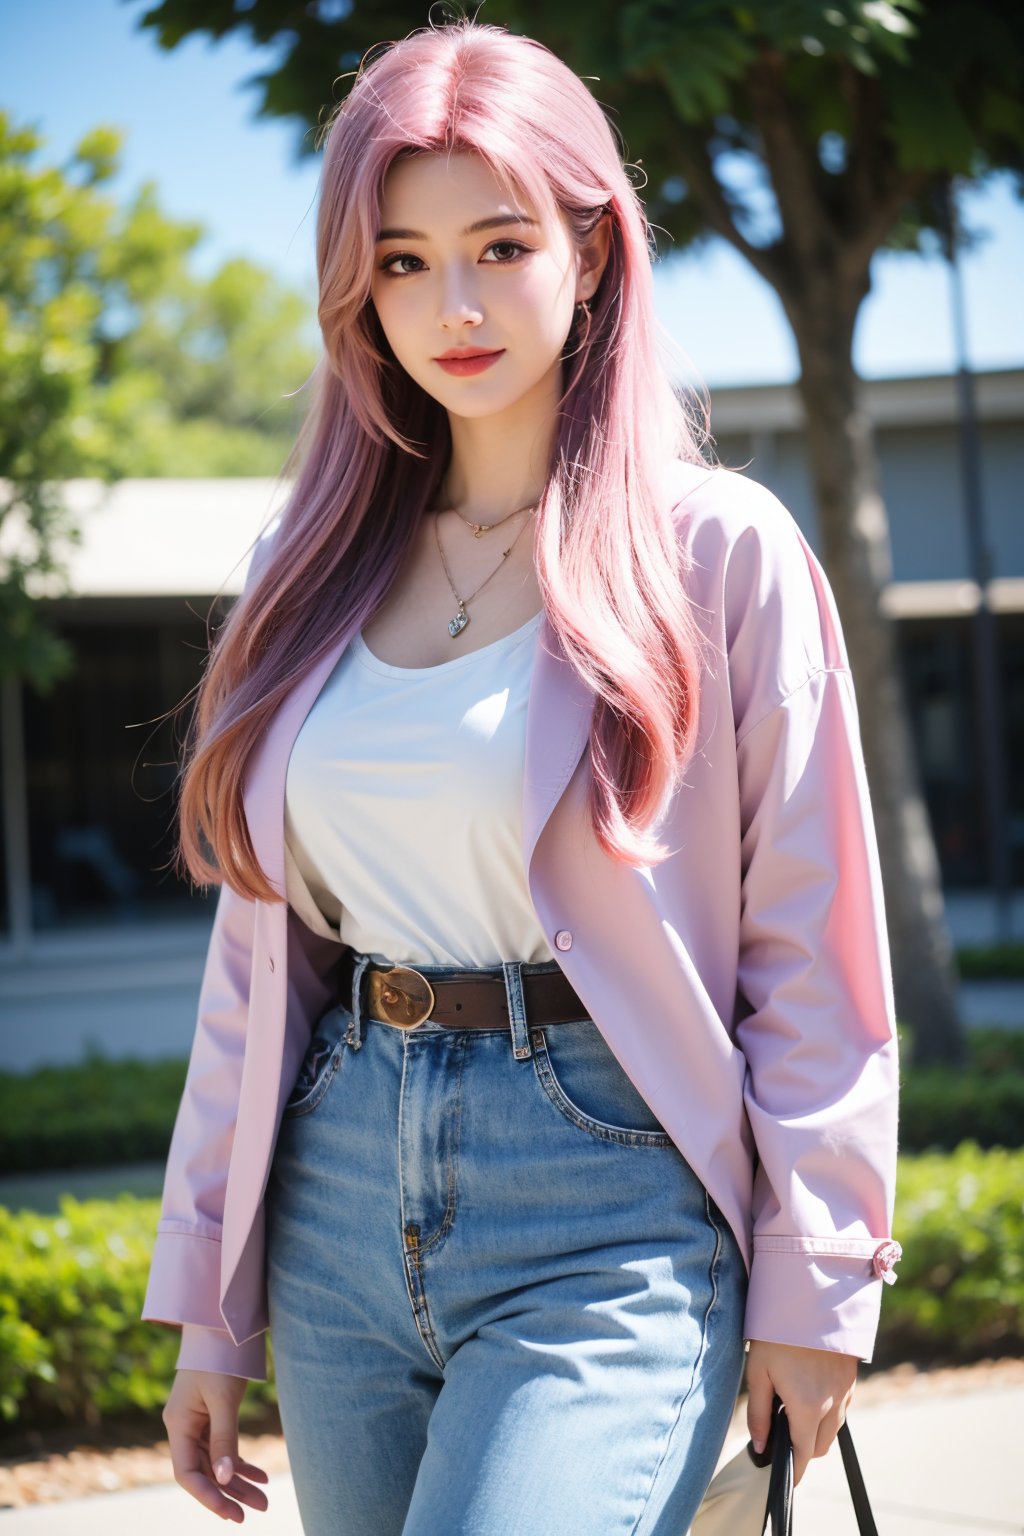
[583, 1079]
[318, 1068]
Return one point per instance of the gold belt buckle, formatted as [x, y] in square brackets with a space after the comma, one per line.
[400, 996]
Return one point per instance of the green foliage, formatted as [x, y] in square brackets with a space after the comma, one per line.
[88, 1114]
[960, 1292]
[909, 89]
[72, 1346]
[940, 1108]
[989, 962]
[982, 1102]
[115, 361]
[102, 1112]
[703, 49]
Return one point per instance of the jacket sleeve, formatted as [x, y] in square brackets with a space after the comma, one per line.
[186, 1254]
[822, 1076]
[822, 1073]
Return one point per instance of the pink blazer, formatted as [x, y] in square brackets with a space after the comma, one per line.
[744, 985]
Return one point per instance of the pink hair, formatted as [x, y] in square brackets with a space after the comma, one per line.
[374, 446]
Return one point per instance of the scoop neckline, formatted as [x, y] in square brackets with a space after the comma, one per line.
[367, 657]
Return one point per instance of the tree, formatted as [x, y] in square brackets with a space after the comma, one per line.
[115, 361]
[842, 115]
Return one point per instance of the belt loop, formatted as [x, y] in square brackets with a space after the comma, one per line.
[517, 1009]
[354, 1033]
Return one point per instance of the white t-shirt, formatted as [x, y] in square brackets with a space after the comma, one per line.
[403, 805]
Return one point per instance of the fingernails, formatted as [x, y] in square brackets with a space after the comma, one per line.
[759, 1446]
[223, 1470]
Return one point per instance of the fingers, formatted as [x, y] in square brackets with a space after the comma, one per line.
[815, 1387]
[813, 1427]
[803, 1431]
[238, 1484]
[201, 1418]
[759, 1405]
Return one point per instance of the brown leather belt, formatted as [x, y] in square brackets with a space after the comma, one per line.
[457, 999]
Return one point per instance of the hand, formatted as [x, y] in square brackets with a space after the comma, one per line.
[815, 1385]
[201, 1416]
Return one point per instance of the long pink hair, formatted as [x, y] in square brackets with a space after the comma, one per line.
[374, 446]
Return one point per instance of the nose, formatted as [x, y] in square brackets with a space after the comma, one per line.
[459, 304]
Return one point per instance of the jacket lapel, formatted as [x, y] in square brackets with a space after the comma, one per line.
[558, 719]
[263, 791]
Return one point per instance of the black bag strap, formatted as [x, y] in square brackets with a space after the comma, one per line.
[778, 1510]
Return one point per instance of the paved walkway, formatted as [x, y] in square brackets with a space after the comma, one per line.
[942, 1465]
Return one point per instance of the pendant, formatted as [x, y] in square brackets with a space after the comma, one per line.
[458, 624]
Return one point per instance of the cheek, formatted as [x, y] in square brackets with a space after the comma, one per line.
[544, 302]
[393, 312]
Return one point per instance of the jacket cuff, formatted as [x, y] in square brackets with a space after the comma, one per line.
[184, 1279]
[818, 1299]
[212, 1349]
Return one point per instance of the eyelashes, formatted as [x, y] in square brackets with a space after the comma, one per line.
[388, 264]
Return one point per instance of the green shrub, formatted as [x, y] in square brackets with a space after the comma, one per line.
[984, 962]
[94, 1112]
[984, 1102]
[960, 1292]
[102, 1112]
[72, 1346]
[939, 1110]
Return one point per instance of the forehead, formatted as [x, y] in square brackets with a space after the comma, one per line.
[445, 190]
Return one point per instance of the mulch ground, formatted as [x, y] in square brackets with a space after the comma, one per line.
[42, 1469]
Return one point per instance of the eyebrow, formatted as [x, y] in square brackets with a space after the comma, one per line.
[497, 221]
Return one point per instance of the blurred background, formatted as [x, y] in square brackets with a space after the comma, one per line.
[836, 195]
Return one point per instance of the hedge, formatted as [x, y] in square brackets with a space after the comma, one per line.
[960, 1292]
[72, 1348]
[991, 962]
[89, 1113]
[103, 1112]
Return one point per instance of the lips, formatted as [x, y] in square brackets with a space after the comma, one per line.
[466, 360]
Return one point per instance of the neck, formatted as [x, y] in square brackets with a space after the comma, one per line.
[500, 462]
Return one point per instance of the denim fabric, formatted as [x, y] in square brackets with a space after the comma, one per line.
[501, 1303]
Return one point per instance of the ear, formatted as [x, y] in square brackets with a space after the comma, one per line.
[593, 258]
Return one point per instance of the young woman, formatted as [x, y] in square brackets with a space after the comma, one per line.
[545, 1055]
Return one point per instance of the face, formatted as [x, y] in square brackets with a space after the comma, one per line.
[441, 285]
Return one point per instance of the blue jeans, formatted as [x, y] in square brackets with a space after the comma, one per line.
[501, 1302]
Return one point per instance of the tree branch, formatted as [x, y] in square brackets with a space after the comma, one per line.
[793, 169]
[899, 189]
[865, 155]
[699, 173]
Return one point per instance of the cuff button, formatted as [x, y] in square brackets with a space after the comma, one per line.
[886, 1255]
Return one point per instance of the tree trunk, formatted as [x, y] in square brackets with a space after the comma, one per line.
[857, 555]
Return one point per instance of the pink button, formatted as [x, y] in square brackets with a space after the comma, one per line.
[886, 1255]
[563, 939]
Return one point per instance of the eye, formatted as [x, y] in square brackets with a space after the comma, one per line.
[390, 263]
[509, 245]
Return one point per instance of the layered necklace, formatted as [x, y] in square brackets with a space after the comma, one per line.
[461, 619]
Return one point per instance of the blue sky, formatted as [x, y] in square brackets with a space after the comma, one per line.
[188, 124]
